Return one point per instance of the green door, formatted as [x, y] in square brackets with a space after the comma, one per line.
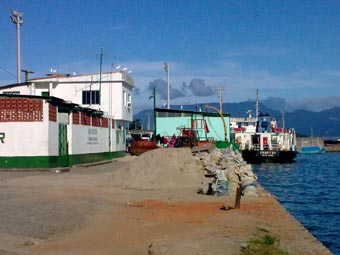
[63, 146]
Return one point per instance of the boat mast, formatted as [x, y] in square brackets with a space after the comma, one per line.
[257, 104]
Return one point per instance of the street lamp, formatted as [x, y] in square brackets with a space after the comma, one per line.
[16, 18]
[167, 70]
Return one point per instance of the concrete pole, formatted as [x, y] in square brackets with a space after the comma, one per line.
[16, 18]
[19, 53]
[167, 69]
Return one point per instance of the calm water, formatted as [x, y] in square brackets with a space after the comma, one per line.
[310, 190]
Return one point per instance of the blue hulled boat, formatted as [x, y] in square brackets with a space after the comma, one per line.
[312, 150]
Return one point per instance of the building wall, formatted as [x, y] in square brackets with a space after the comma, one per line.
[16, 90]
[167, 126]
[30, 136]
[216, 128]
[119, 137]
[113, 86]
[25, 125]
[116, 103]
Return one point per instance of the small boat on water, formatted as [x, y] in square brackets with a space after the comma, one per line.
[314, 149]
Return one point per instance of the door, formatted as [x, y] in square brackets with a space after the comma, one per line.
[265, 143]
[63, 146]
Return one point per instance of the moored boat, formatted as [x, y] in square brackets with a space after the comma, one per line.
[139, 147]
[268, 143]
[311, 146]
[315, 149]
[142, 141]
[261, 140]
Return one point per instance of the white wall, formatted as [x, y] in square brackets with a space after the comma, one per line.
[23, 90]
[26, 138]
[88, 139]
[112, 87]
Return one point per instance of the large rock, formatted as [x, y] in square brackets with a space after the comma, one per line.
[236, 170]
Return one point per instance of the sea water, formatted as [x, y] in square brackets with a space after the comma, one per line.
[310, 190]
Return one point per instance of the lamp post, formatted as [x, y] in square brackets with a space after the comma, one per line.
[16, 18]
[167, 70]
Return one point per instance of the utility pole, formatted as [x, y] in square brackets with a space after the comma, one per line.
[167, 70]
[26, 74]
[148, 126]
[16, 18]
[154, 109]
[220, 90]
[100, 75]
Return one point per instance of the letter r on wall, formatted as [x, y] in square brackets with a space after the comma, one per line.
[2, 137]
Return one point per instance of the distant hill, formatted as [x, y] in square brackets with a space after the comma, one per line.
[323, 124]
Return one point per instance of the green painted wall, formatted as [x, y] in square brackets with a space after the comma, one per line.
[216, 128]
[167, 126]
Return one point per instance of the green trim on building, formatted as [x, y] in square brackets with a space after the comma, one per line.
[88, 158]
[39, 162]
[29, 162]
[117, 154]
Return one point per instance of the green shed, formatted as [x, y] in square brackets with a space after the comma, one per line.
[207, 125]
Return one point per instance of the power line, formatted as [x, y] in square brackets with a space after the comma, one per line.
[8, 72]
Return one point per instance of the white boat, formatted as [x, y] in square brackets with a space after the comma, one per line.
[261, 140]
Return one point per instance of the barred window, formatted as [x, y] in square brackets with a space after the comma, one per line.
[91, 97]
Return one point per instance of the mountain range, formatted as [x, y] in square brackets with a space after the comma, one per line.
[325, 123]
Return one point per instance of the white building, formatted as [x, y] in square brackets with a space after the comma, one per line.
[62, 120]
[109, 92]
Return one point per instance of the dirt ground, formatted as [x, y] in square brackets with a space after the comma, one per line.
[82, 212]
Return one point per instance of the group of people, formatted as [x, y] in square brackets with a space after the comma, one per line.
[164, 141]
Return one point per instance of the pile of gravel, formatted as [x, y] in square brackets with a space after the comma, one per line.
[165, 168]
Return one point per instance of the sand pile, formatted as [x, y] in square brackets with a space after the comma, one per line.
[161, 169]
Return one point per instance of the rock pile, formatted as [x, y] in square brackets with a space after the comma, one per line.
[235, 169]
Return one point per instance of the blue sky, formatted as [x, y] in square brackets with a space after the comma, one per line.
[286, 49]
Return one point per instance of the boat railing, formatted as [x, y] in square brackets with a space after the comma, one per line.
[256, 147]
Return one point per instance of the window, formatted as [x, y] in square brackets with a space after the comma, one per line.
[124, 98]
[11, 92]
[91, 97]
